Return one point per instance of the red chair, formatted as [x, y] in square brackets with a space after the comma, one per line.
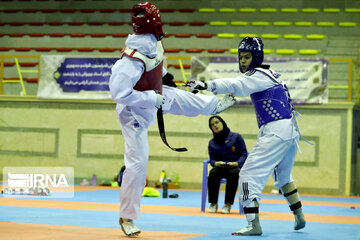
[16, 34]
[22, 49]
[87, 10]
[48, 10]
[17, 24]
[95, 23]
[77, 34]
[31, 80]
[29, 10]
[85, 49]
[216, 50]
[185, 66]
[56, 23]
[183, 35]
[121, 35]
[107, 10]
[187, 10]
[75, 23]
[28, 64]
[177, 23]
[99, 34]
[69, 10]
[11, 10]
[172, 50]
[194, 50]
[125, 10]
[36, 34]
[168, 10]
[197, 23]
[9, 64]
[205, 35]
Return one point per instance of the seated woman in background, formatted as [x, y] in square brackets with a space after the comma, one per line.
[227, 153]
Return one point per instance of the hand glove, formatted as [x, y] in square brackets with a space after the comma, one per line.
[196, 86]
[160, 100]
[168, 80]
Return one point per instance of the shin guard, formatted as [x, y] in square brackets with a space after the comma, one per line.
[292, 196]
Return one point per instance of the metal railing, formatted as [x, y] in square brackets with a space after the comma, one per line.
[350, 76]
[20, 71]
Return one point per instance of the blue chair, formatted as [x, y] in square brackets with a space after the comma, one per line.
[205, 187]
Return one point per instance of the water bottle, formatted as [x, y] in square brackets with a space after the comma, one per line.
[165, 189]
[94, 180]
[162, 176]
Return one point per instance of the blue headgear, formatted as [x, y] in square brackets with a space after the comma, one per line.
[256, 47]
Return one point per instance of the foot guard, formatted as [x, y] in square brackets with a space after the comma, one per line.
[227, 101]
[128, 227]
[253, 229]
[299, 221]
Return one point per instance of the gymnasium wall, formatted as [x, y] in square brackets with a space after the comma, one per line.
[86, 135]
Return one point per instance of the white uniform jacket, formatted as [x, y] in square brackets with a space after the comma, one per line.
[126, 72]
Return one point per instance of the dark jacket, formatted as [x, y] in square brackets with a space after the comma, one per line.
[233, 150]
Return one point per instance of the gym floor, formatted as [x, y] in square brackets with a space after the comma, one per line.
[93, 215]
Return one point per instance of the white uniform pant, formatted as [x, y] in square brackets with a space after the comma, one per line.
[136, 153]
[270, 155]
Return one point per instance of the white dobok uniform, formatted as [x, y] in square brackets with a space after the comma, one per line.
[136, 111]
[277, 141]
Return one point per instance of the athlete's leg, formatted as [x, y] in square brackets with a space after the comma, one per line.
[134, 178]
[266, 154]
[283, 180]
[257, 168]
[180, 102]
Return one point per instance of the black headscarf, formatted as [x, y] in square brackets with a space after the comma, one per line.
[220, 137]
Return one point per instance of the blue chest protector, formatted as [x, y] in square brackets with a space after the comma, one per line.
[272, 104]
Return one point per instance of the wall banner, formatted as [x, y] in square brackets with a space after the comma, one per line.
[74, 77]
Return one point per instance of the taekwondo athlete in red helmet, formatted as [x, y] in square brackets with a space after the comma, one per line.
[278, 137]
[136, 85]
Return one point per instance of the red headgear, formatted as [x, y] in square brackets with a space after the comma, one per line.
[146, 19]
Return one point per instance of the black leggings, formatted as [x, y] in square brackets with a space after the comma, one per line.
[232, 177]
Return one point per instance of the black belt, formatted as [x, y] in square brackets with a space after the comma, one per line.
[160, 121]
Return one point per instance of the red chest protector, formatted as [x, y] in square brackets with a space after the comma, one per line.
[152, 76]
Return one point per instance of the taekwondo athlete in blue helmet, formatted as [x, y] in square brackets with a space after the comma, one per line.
[138, 85]
[278, 137]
